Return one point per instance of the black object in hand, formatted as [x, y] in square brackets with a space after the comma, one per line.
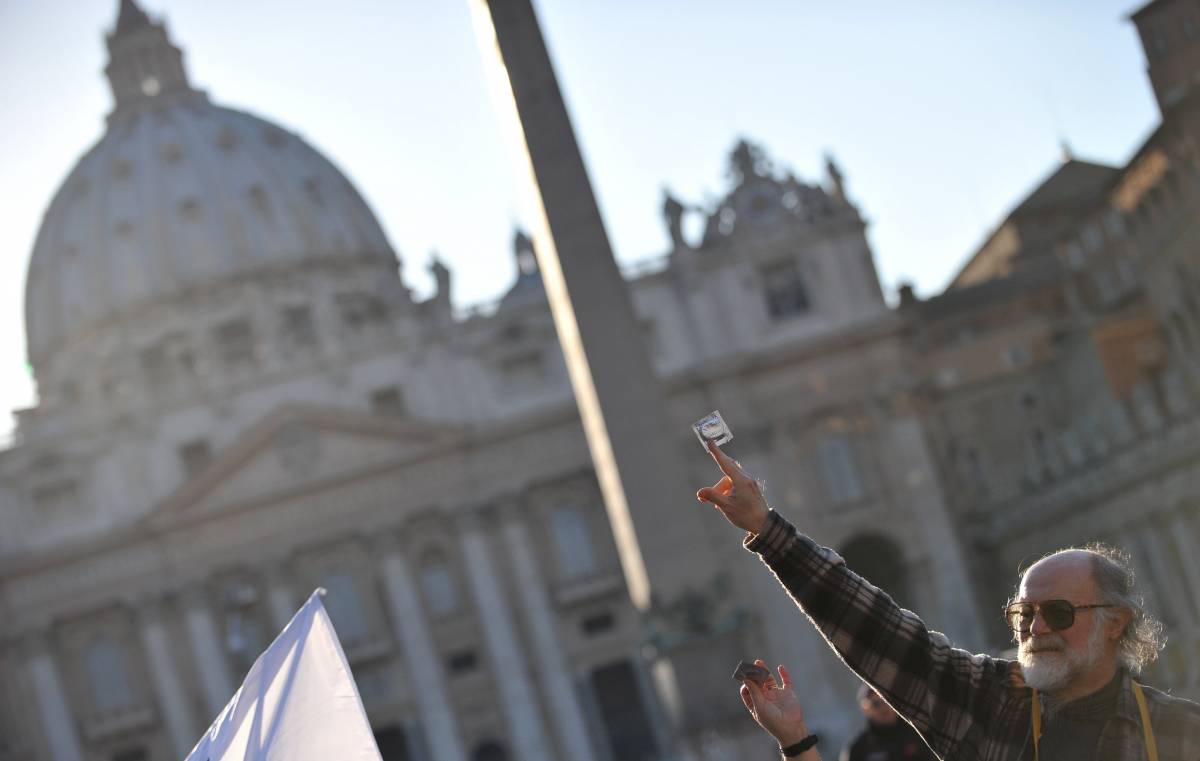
[752, 672]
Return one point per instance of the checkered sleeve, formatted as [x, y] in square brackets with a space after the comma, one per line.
[953, 698]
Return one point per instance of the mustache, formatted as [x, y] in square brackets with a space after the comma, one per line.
[1044, 643]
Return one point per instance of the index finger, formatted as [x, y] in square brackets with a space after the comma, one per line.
[724, 461]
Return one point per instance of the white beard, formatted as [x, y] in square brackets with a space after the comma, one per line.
[1051, 670]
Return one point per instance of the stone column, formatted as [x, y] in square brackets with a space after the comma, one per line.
[555, 671]
[211, 663]
[57, 725]
[421, 659]
[512, 672]
[167, 686]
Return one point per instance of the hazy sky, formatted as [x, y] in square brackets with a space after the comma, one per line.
[942, 113]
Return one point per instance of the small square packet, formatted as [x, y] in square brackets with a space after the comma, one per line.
[712, 428]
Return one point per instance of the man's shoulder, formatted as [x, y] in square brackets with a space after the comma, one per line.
[1168, 705]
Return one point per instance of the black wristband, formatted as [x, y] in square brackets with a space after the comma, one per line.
[800, 747]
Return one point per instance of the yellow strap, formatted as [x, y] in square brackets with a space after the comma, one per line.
[1147, 730]
[1037, 725]
[1139, 696]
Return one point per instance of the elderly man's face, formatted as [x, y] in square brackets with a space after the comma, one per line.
[1053, 661]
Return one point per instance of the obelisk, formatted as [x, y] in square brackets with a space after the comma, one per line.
[632, 440]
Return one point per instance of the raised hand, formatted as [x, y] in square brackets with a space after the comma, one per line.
[737, 495]
[776, 708]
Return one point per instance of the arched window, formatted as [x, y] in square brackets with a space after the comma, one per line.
[489, 750]
[880, 561]
[345, 605]
[572, 541]
[438, 585]
[108, 681]
[840, 471]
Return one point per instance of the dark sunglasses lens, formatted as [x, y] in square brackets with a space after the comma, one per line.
[1058, 614]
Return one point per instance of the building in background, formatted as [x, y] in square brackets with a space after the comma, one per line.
[240, 400]
[1061, 365]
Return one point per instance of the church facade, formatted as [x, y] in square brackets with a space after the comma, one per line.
[241, 401]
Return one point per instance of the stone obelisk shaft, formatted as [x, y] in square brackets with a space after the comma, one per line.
[633, 441]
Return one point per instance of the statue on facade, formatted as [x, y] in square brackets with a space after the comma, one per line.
[837, 181]
[442, 277]
[523, 251]
[673, 211]
[748, 160]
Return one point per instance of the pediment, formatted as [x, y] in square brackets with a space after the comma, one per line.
[298, 448]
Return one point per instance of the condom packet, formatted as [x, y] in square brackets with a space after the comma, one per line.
[712, 428]
[752, 672]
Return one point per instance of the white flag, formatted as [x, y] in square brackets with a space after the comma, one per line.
[298, 702]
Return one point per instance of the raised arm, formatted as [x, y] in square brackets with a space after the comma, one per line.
[949, 695]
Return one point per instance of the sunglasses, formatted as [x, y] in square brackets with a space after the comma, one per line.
[1058, 614]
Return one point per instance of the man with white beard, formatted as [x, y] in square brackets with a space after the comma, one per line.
[1078, 620]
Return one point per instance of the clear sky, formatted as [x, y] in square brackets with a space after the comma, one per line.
[942, 113]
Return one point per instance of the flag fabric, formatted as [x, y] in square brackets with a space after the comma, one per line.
[299, 702]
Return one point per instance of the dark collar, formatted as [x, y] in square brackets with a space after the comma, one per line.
[1127, 707]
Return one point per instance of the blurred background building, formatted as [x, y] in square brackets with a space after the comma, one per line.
[240, 400]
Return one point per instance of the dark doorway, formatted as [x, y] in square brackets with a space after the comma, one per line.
[393, 745]
[880, 561]
[623, 712]
[489, 751]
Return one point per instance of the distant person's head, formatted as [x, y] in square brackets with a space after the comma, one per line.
[1077, 616]
[878, 712]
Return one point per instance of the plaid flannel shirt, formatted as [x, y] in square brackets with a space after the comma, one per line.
[967, 707]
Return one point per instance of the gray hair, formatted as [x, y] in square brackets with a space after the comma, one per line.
[1143, 637]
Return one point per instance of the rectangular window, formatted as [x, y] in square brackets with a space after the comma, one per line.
[441, 593]
[195, 457]
[597, 624]
[235, 342]
[840, 472]
[360, 311]
[784, 290]
[388, 401]
[572, 542]
[462, 662]
[297, 328]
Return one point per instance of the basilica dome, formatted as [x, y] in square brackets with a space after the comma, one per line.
[178, 196]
